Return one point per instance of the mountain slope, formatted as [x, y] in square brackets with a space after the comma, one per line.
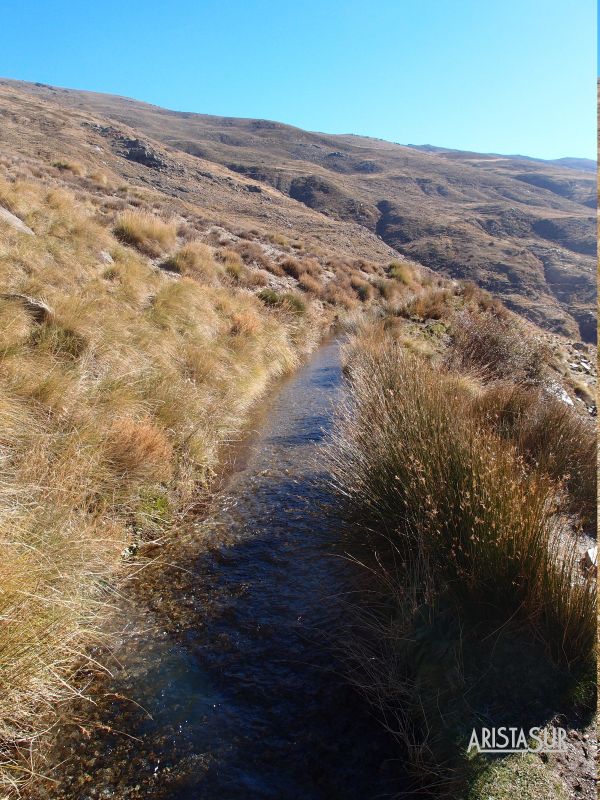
[519, 227]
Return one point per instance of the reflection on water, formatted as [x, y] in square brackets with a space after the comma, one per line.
[233, 689]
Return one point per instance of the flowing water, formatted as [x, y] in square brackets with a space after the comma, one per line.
[227, 685]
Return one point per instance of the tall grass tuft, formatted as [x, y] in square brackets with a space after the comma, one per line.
[146, 232]
[474, 591]
[412, 456]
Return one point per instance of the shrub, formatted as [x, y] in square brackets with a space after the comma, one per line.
[252, 253]
[310, 284]
[339, 295]
[480, 300]
[245, 323]
[429, 304]
[498, 348]
[69, 166]
[289, 300]
[59, 340]
[293, 267]
[549, 434]
[439, 483]
[402, 272]
[363, 288]
[194, 259]
[147, 233]
[270, 297]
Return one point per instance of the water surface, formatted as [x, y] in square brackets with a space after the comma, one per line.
[229, 665]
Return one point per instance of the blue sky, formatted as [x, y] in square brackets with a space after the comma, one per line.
[508, 76]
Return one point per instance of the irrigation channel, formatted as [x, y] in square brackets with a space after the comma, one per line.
[227, 684]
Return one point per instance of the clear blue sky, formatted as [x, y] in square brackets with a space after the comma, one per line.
[508, 76]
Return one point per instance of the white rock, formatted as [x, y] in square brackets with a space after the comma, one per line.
[14, 222]
[558, 392]
[591, 556]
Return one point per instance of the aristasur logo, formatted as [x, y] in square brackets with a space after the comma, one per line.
[518, 740]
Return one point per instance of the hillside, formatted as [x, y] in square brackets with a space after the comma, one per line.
[521, 228]
[159, 273]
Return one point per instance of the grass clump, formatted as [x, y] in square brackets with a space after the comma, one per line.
[270, 297]
[195, 260]
[497, 347]
[149, 234]
[476, 602]
[309, 284]
[69, 166]
[549, 434]
[433, 303]
[402, 272]
[290, 301]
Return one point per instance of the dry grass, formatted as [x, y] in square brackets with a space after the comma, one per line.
[194, 259]
[496, 347]
[66, 165]
[138, 449]
[363, 288]
[549, 434]
[131, 385]
[310, 284]
[403, 272]
[459, 527]
[430, 304]
[146, 232]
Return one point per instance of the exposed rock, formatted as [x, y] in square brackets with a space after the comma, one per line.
[559, 392]
[141, 153]
[37, 308]
[14, 222]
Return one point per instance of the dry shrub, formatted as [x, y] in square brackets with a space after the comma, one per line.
[366, 266]
[497, 347]
[275, 269]
[363, 288]
[99, 179]
[480, 300]
[466, 559]
[338, 295]
[245, 323]
[550, 434]
[252, 253]
[256, 277]
[409, 459]
[69, 166]
[15, 325]
[293, 267]
[310, 284]
[390, 290]
[193, 259]
[402, 272]
[429, 304]
[139, 449]
[59, 340]
[146, 232]
[234, 266]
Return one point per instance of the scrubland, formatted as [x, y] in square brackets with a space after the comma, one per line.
[467, 483]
